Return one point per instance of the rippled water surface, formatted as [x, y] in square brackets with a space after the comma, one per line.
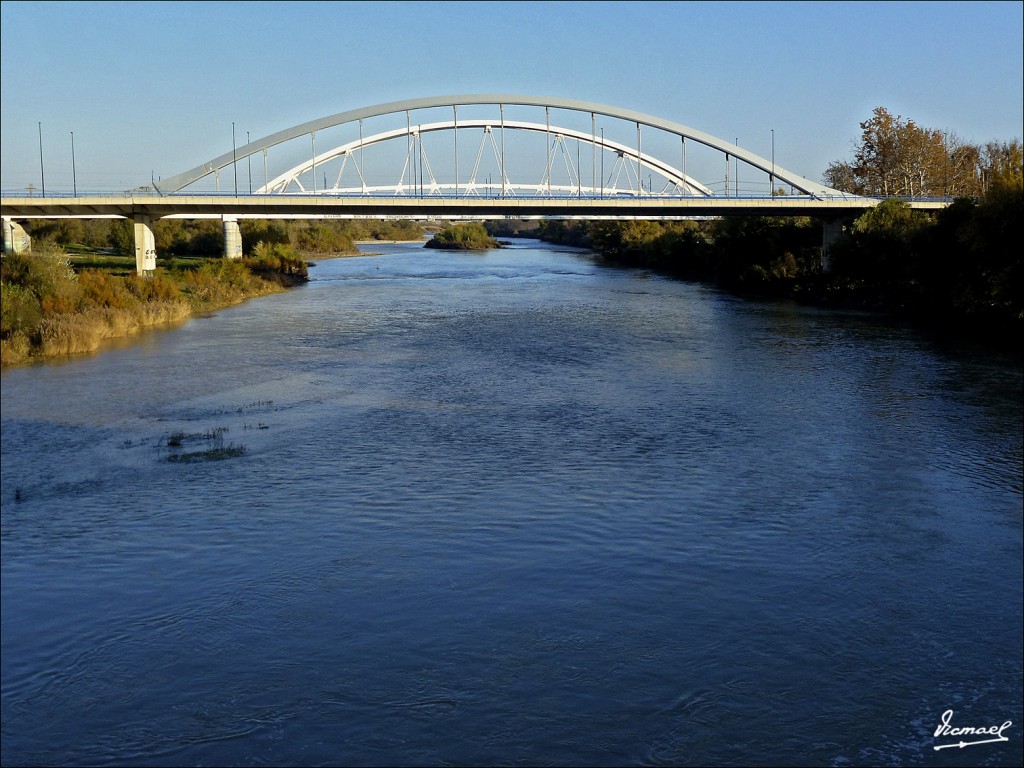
[512, 508]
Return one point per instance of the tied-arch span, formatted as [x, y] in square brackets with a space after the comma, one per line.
[174, 184]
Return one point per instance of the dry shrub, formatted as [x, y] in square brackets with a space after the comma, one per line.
[56, 305]
[86, 330]
[162, 312]
[223, 282]
[15, 349]
[71, 334]
[101, 289]
[201, 286]
[156, 287]
[119, 322]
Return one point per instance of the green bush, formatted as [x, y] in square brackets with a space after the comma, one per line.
[20, 310]
[274, 259]
[255, 232]
[46, 271]
[156, 287]
[471, 236]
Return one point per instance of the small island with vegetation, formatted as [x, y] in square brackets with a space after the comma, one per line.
[472, 236]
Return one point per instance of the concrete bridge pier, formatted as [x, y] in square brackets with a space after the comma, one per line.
[16, 239]
[831, 230]
[145, 244]
[232, 238]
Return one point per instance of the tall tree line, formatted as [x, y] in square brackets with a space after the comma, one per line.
[897, 157]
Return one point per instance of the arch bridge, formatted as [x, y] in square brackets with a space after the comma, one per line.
[480, 156]
[616, 165]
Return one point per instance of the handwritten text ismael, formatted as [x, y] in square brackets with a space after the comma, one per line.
[946, 728]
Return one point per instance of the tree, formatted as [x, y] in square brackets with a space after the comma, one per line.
[897, 157]
[879, 249]
[875, 159]
[1002, 164]
[962, 163]
[841, 175]
[754, 251]
[121, 237]
[622, 238]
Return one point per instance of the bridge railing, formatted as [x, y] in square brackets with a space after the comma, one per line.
[481, 194]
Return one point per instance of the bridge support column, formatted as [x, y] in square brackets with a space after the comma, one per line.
[16, 239]
[831, 230]
[232, 238]
[145, 245]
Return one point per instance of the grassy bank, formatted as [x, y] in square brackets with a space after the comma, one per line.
[53, 304]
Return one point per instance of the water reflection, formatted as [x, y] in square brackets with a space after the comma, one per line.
[511, 508]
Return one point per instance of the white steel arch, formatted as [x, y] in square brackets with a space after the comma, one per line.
[281, 183]
[804, 185]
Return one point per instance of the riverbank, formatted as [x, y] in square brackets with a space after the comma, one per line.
[51, 311]
[982, 326]
[956, 273]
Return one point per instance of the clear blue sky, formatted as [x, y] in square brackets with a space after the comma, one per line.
[154, 87]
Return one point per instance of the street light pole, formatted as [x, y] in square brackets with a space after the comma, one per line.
[234, 157]
[639, 163]
[74, 176]
[42, 174]
[248, 159]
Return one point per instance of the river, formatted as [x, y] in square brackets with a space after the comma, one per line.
[512, 508]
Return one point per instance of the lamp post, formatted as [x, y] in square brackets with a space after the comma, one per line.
[737, 163]
[639, 163]
[579, 172]
[42, 174]
[234, 157]
[74, 176]
[248, 159]
[593, 154]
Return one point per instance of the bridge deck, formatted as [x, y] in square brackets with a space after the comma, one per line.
[328, 206]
